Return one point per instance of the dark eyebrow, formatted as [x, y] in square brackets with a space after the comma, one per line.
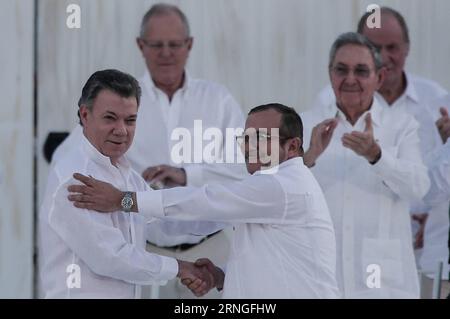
[133, 116]
[110, 113]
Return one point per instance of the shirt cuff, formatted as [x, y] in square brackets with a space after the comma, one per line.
[150, 204]
[194, 175]
[384, 164]
[169, 268]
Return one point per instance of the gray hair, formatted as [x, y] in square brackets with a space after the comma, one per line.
[356, 39]
[161, 9]
[386, 10]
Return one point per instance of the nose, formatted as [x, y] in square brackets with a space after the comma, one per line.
[384, 55]
[165, 51]
[350, 78]
[120, 129]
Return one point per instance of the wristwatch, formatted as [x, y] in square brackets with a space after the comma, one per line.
[127, 202]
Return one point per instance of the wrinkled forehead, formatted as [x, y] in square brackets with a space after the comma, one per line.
[110, 101]
[353, 55]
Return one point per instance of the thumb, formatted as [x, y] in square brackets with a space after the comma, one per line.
[368, 120]
[443, 111]
[202, 262]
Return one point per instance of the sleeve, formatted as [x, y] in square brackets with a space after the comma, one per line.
[402, 169]
[438, 163]
[231, 118]
[257, 199]
[93, 237]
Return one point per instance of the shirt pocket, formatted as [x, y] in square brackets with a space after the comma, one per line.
[385, 256]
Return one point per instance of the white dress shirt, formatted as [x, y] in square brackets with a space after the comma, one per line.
[369, 203]
[108, 248]
[422, 99]
[158, 117]
[435, 247]
[283, 244]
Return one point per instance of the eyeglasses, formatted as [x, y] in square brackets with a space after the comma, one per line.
[158, 46]
[254, 140]
[359, 72]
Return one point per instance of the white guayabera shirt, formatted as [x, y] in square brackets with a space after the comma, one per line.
[422, 99]
[283, 244]
[369, 204]
[156, 141]
[106, 251]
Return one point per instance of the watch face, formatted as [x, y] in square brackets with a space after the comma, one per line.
[127, 203]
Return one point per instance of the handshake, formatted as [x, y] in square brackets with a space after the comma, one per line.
[201, 276]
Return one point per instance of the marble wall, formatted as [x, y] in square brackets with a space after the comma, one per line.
[16, 149]
[262, 50]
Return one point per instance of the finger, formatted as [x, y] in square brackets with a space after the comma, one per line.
[360, 137]
[186, 281]
[161, 176]
[351, 145]
[368, 120]
[151, 172]
[83, 189]
[203, 262]
[80, 198]
[84, 205]
[443, 112]
[84, 179]
[354, 139]
[194, 285]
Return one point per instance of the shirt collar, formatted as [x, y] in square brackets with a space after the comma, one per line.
[410, 91]
[290, 162]
[152, 90]
[375, 111]
[94, 155]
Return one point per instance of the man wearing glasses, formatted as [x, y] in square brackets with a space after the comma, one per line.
[367, 160]
[172, 99]
[283, 241]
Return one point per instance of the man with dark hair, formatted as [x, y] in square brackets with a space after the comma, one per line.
[90, 255]
[283, 245]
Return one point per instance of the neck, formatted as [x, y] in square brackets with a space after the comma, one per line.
[170, 89]
[391, 91]
[353, 114]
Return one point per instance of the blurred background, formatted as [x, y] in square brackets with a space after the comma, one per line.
[262, 50]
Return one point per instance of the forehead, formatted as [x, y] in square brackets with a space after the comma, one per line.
[109, 101]
[352, 55]
[165, 26]
[390, 31]
[265, 119]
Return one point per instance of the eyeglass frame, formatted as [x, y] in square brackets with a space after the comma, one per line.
[241, 139]
[172, 45]
[342, 74]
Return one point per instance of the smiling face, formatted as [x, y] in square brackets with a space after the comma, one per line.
[354, 78]
[166, 64]
[111, 123]
[259, 152]
[393, 47]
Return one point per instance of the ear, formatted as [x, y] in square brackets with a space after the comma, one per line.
[381, 75]
[140, 44]
[294, 147]
[84, 111]
[190, 43]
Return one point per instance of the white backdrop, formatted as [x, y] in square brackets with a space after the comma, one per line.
[262, 50]
[16, 149]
